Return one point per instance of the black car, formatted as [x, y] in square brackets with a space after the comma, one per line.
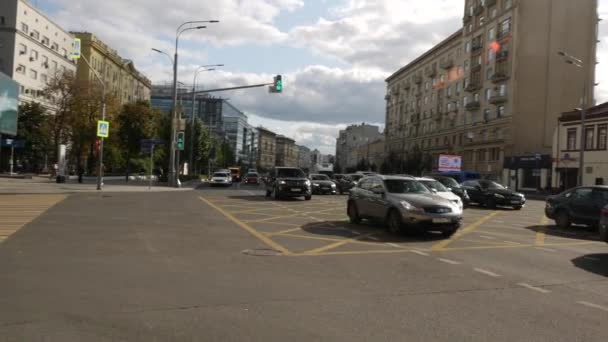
[454, 187]
[582, 205]
[288, 182]
[348, 182]
[321, 184]
[491, 194]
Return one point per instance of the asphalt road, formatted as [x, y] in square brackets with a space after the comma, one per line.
[231, 265]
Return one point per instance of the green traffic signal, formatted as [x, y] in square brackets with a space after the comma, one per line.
[278, 83]
[181, 135]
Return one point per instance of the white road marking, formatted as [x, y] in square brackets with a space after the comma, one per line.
[545, 249]
[373, 238]
[448, 261]
[591, 258]
[539, 289]
[486, 272]
[355, 232]
[419, 252]
[595, 306]
[393, 245]
[487, 237]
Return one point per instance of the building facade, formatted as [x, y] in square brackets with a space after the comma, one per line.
[267, 147]
[348, 142]
[372, 153]
[33, 50]
[491, 90]
[120, 76]
[567, 144]
[286, 152]
[304, 158]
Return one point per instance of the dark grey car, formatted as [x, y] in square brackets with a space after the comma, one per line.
[604, 224]
[402, 202]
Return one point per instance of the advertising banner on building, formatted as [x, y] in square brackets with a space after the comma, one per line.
[9, 92]
[450, 163]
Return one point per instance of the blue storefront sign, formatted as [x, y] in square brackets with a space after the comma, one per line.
[9, 92]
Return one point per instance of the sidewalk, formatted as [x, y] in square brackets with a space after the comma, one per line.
[42, 185]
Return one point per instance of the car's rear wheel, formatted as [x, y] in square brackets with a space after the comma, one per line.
[307, 198]
[353, 213]
[562, 220]
[604, 232]
[394, 223]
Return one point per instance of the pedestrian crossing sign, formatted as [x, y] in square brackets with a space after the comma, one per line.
[103, 129]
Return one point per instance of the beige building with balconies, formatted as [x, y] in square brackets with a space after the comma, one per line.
[287, 152]
[493, 89]
[122, 80]
[267, 146]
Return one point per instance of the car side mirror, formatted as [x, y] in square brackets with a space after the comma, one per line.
[434, 191]
[450, 189]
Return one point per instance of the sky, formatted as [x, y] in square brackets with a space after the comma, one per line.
[333, 54]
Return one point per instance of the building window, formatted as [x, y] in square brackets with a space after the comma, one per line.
[64, 52]
[55, 46]
[493, 12]
[467, 48]
[502, 90]
[505, 26]
[491, 34]
[508, 4]
[45, 40]
[490, 55]
[481, 155]
[589, 132]
[21, 69]
[465, 101]
[458, 87]
[22, 49]
[476, 97]
[482, 19]
[602, 133]
[489, 73]
[426, 100]
[54, 65]
[500, 112]
[466, 65]
[34, 55]
[449, 91]
[25, 28]
[33, 74]
[35, 34]
[426, 85]
[2, 20]
[45, 61]
[43, 78]
[488, 94]
[486, 114]
[571, 139]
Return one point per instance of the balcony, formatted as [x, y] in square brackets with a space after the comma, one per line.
[498, 99]
[499, 77]
[430, 71]
[476, 47]
[475, 67]
[472, 106]
[417, 78]
[490, 3]
[446, 63]
[407, 85]
[503, 35]
[472, 87]
[502, 55]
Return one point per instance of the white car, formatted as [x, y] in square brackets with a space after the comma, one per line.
[436, 187]
[221, 179]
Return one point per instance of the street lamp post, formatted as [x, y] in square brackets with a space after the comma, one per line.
[192, 116]
[569, 59]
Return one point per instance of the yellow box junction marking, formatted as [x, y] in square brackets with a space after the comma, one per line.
[470, 228]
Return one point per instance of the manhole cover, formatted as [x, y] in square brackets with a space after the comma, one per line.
[261, 252]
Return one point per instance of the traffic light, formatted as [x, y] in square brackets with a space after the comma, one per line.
[278, 84]
[180, 140]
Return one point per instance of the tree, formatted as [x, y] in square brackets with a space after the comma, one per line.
[200, 146]
[136, 121]
[33, 127]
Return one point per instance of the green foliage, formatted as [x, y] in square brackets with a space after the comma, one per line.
[33, 127]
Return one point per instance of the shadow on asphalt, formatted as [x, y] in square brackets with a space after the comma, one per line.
[344, 229]
[250, 198]
[574, 232]
[594, 263]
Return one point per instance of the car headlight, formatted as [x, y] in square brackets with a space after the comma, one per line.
[408, 206]
[282, 182]
[315, 184]
[307, 182]
[333, 185]
[499, 196]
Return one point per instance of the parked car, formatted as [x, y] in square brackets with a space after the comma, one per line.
[453, 186]
[322, 184]
[348, 182]
[221, 179]
[288, 182]
[604, 224]
[402, 202]
[252, 178]
[581, 205]
[436, 187]
[460, 176]
[492, 194]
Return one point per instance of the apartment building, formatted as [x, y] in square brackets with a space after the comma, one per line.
[120, 76]
[567, 144]
[267, 147]
[287, 151]
[348, 143]
[33, 50]
[491, 92]
[372, 153]
[304, 158]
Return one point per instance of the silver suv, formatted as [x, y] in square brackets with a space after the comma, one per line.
[403, 202]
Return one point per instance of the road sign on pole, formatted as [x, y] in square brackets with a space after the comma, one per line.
[103, 129]
[76, 48]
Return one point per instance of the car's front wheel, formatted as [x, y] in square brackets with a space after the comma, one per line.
[308, 198]
[603, 232]
[562, 220]
[353, 213]
[394, 223]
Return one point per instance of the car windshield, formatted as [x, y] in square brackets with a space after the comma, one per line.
[449, 182]
[355, 178]
[436, 185]
[492, 185]
[290, 173]
[405, 186]
[600, 196]
[252, 175]
[319, 177]
[220, 174]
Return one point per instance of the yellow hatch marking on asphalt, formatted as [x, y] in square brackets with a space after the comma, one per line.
[493, 243]
[19, 210]
[470, 228]
[355, 242]
[337, 244]
[248, 228]
[380, 251]
[540, 235]
[283, 231]
[287, 216]
[282, 224]
[517, 246]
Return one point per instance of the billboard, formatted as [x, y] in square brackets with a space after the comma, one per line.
[9, 92]
[449, 163]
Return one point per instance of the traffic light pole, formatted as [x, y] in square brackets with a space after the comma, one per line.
[200, 92]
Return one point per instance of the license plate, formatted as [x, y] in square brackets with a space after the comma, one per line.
[441, 220]
[296, 189]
